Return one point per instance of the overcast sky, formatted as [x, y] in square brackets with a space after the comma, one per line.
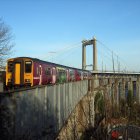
[43, 27]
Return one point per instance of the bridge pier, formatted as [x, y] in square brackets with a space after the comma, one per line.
[123, 89]
[84, 44]
[116, 92]
[130, 85]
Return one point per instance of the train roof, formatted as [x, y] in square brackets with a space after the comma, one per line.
[43, 61]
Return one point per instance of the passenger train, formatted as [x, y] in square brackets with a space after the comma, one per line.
[26, 71]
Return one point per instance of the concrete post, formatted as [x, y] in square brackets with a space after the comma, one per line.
[94, 55]
[84, 44]
[58, 107]
[130, 85]
[116, 92]
[123, 89]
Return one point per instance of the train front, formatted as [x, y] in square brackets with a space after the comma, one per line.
[19, 72]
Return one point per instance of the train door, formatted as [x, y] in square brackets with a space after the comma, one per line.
[17, 73]
[53, 75]
[40, 74]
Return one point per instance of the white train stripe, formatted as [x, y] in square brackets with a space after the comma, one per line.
[36, 78]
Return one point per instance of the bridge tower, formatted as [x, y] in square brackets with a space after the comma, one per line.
[84, 44]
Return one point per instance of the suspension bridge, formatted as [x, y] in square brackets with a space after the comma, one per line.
[65, 111]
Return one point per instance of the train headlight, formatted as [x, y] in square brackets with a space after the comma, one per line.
[27, 80]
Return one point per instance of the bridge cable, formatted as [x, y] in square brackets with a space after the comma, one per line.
[118, 57]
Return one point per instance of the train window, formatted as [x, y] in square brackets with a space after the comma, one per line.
[10, 66]
[48, 71]
[62, 72]
[28, 67]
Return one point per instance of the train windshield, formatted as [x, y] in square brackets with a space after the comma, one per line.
[28, 67]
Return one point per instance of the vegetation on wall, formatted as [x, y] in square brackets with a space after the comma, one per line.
[99, 103]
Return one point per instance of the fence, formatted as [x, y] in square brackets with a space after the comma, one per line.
[39, 113]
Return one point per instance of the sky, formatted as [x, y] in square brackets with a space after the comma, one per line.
[52, 30]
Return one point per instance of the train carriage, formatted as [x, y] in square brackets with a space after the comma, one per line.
[61, 75]
[26, 71]
[19, 71]
[42, 73]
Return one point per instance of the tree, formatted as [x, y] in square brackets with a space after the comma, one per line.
[6, 44]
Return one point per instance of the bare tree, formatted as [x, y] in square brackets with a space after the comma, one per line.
[6, 44]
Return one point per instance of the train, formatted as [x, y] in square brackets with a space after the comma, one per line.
[27, 71]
